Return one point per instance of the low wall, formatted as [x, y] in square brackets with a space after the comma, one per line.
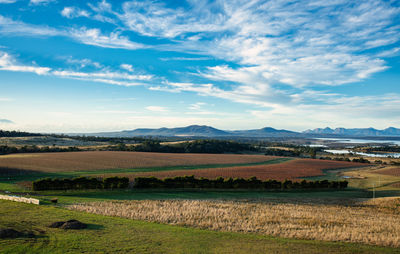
[20, 199]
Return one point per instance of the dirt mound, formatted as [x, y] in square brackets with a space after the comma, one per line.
[71, 224]
[12, 233]
[56, 224]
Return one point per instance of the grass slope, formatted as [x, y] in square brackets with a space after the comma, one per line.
[117, 235]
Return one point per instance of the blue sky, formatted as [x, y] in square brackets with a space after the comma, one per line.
[77, 66]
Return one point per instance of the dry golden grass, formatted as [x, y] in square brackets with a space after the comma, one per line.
[288, 170]
[370, 223]
[76, 161]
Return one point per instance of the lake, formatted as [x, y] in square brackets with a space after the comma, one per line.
[378, 155]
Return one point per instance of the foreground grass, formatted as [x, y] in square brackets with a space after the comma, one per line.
[118, 235]
[330, 222]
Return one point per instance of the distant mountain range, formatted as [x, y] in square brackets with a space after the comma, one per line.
[208, 131]
[391, 131]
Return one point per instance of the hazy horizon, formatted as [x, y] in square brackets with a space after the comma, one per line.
[77, 67]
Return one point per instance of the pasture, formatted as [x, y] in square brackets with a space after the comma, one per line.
[349, 222]
[107, 234]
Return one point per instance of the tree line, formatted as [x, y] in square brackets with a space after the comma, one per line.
[196, 146]
[80, 183]
[237, 183]
[4, 149]
[13, 134]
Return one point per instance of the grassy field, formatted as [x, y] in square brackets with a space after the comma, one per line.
[344, 221]
[118, 235]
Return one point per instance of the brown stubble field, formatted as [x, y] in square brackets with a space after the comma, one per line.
[293, 169]
[100, 160]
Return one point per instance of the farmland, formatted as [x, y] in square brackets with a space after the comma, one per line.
[263, 217]
[392, 171]
[292, 169]
[98, 160]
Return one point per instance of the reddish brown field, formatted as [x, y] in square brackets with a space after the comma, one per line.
[390, 171]
[287, 170]
[77, 161]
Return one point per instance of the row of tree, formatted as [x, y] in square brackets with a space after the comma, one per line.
[294, 151]
[80, 183]
[197, 146]
[10, 134]
[4, 149]
[237, 183]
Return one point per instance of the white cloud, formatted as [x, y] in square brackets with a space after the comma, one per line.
[185, 58]
[9, 26]
[293, 42]
[73, 12]
[157, 109]
[95, 37]
[8, 63]
[83, 35]
[7, 1]
[197, 105]
[41, 2]
[101, 75]
[82, 63]
[127, 67]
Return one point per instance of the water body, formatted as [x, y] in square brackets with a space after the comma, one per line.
[361, 141]
[378, 155]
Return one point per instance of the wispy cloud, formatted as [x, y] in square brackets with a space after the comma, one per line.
[89, 36]
[94, 37]
[6, 99]
[127, 67]
[157, 108]
[185, 58]
[8, 63]
[7, 1]
[293, 42]
[41, 2]
[11, 27]
[6, 121]
[82, 63]
[73, 12]
[197, 105]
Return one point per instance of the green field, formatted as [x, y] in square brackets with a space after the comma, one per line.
[117, 235]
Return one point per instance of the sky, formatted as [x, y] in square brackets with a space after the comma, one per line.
[90, 66]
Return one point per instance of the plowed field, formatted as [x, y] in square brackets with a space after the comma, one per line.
[287, 170]
[390, 171]
[97, 160]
